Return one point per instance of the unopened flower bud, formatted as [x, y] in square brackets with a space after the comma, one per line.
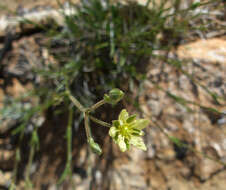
[94, 146]
[114, 96]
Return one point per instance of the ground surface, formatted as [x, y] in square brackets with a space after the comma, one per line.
[164, 166]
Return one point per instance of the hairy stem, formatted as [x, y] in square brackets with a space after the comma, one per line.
[87, 128]
[97, 105]
[75, 101]
[105, 124]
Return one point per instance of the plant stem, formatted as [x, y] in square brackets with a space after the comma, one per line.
[105, 124]
[68, 168]
[86, 111]
[27, 173]
[97, 105]
[75, 101]
[69, 136]
[88, 132]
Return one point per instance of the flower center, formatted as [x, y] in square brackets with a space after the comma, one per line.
[124, 130]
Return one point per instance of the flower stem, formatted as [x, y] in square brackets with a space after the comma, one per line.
[75, 101]
[97, 105]
[87, 128]
[105, 124]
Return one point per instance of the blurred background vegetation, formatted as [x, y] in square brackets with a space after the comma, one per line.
[103, 45]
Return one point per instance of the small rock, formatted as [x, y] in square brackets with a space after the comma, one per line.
[211, 50]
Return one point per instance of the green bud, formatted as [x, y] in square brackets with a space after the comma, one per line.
[94, 146]
[114, 96]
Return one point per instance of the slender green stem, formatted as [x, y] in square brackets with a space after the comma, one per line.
[17, 160]
[15, 170]
[68, 170]
[34, 143]
[75, 101]
[97, 105]
[69, 136]
[27, 173]
[88, 132]
[99, 121]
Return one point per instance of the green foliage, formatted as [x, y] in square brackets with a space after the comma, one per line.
[105, 44]
[102, 46]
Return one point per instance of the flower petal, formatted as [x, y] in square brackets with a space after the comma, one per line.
[122, 144]
[113, 131]
[138, 142]
[131, 118]
[116, 123]
[140, 124]
[137, 132]
[123, 116]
